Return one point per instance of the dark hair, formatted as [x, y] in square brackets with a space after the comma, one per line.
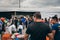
[16, 18]
[37, 15]
[46, 20]
[55, 18]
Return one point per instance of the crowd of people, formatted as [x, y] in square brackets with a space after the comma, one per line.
[37, 28]
[14, 24]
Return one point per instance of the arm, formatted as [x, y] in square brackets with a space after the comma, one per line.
[53, 31]
[52, 34]
[26, 37]
[28, 31]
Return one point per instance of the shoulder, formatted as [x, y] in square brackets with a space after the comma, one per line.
[55, 25]
[44, 24]
[31, 24]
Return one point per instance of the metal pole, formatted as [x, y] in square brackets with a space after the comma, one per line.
[19, 3]
[15, 13]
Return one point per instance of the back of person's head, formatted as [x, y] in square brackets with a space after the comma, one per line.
[37, 15]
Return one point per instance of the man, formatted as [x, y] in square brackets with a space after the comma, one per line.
[10, 28]
[38, 30]
[56, 28]
[16, 21]
[23, 21]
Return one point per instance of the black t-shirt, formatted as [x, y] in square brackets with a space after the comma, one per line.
[38, 30]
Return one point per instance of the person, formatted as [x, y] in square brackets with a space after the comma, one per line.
[55, 28]
[7, 28]
[23, 21]
[50, 22]
[13, 28]
[37, 30]
[30, 20]
[1, 23]
[2, 19]
[46, 21]
[16, 21]
[20, 28]
[10, 28]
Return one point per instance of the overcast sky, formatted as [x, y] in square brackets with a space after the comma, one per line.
[41, 3]
[30, 3]
[45, 4]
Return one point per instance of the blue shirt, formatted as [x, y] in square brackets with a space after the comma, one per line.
[23, 20]
[57, 28]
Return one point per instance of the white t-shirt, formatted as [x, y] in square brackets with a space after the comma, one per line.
[20, 27]
[11, 28]
[7, 29]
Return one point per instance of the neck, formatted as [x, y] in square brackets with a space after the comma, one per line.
[38, 20]
[55, 22]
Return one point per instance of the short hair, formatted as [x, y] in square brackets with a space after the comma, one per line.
[55, 18]
[37, 15]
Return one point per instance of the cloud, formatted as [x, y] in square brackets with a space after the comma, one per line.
[8, 3]
[29, 3]
[43, 4]
[40, 3]
[50, 7]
